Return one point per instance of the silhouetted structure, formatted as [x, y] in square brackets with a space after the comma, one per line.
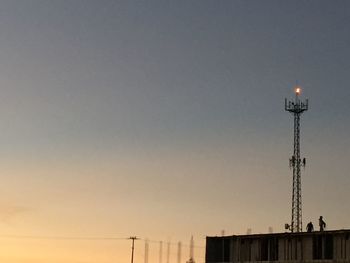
[160, 252]
[179, 246]
[146, 250]
[191, 260]
[168, 253]
[296, 107]
[326, 246]
[132, 248]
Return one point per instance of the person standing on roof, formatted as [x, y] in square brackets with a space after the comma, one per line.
[321, 223]
[310, 227]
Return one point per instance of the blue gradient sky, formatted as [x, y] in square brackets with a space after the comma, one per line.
[164, 119]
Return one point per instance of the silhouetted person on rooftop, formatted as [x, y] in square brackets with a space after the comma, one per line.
[310, 227]
[321, 223]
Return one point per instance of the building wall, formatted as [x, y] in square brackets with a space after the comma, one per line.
[328, 246]
[307, 248]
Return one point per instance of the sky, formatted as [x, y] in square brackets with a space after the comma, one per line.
[165, 119]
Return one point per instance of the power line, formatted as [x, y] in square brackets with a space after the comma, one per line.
[61, 237]
[87, 238]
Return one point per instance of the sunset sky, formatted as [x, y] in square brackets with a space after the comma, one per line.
[165, 119]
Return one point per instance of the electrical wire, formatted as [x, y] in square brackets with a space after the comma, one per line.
[61, 237]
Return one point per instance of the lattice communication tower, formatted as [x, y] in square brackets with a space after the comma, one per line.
[296, 107]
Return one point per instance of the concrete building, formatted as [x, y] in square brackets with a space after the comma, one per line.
[327, 246]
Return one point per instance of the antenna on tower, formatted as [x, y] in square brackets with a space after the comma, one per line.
[296, 107]
[191, 260]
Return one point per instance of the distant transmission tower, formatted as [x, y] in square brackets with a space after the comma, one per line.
[179, 245]
[191, 260]
[146, 250]
[168, 253]
[296, 107]
[160, 251]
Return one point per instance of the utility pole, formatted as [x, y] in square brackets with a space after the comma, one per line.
[296, 107]
[132, 248]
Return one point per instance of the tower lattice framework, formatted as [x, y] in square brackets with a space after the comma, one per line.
[296, 107]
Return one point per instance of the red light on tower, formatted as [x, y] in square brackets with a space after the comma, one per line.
[297, 90]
